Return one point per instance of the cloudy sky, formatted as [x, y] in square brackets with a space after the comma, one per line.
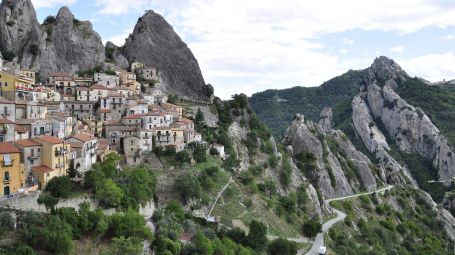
[254, 45]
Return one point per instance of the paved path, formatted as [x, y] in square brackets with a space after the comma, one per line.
[319, 240]
[219, 195]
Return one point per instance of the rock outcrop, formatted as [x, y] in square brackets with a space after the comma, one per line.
[63, 44]
[407, 126]
[339, 169]
[326, 119]
[116, 55]
[155, 43]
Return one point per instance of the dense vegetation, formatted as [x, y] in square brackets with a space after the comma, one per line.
[438, 102]
[276, 108]
[401, 221]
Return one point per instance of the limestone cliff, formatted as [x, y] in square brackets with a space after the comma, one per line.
[63, 44]
[154, 42]
[408, 127]
[339, 168]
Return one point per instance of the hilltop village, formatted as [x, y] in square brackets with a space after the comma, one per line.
[68, 123]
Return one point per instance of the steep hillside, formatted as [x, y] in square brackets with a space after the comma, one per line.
[276, 108]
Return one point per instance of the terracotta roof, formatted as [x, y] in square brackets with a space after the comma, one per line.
[24, 121]
[83, 138]
[5, 121]
[5, 101]
[103, 144]
[27, 143]
[60, 75]
[185, 120]
[49, 139]
[133, 116]
[8, 147]
[42, 169]
[76, 145]
[105, 110]
[22, 128]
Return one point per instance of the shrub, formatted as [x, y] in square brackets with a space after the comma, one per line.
[311, 228]
[60, 187]
[49, 20]
[282, 246]
[109, 193]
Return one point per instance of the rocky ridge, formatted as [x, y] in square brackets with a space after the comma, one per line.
[409, 127]
[340, 168]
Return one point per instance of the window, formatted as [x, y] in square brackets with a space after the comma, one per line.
[113, 141]
[7, 160]
[6, 177]
[6, 84]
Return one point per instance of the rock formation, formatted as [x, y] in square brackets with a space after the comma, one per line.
[154, 42]
[340, 169]
[407, 126]
[64, 44]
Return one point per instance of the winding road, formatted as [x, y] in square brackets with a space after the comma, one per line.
[319, 240]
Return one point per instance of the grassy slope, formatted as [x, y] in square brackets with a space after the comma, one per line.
[399, 222]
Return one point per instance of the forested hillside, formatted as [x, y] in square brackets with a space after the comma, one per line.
[277, 107]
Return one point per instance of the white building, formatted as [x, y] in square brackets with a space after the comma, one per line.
[86, 155]
[106, 80]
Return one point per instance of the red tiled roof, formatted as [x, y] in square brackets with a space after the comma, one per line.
[5, 101]
[5, 121]
[83, 137]
[133, 116]
[60, 75]
[27, 143]
[49, 139]
[42, 169]
[76, 145]
[22, 128]
[8, 147]
[105, 110]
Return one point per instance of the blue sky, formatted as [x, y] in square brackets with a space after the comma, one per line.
[251, 46]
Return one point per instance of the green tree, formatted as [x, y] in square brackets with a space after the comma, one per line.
[182, 157]
[109, 194]
[311, 228]
[48, 200]
[176, 208]
[200, 153]
[126, 246]
[60, 187]
[141, 184]
[188, 186]
[129, 224]
[282, 246]
[257, 237]
[6, 222]
[165, 246]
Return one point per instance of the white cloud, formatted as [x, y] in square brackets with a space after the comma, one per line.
[118, 7]
[449, 37]
[398, 49]
[348, 41]
[433, 67]
[259, 44]
[120, 38]
[51, 3]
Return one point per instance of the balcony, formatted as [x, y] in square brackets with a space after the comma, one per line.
[61, 152]
[33, 157]
[58, 166]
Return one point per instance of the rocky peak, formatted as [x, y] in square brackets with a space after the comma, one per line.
[326, 118]
[64, 14]
[385, 68]
[154, 42]
[18, 24]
